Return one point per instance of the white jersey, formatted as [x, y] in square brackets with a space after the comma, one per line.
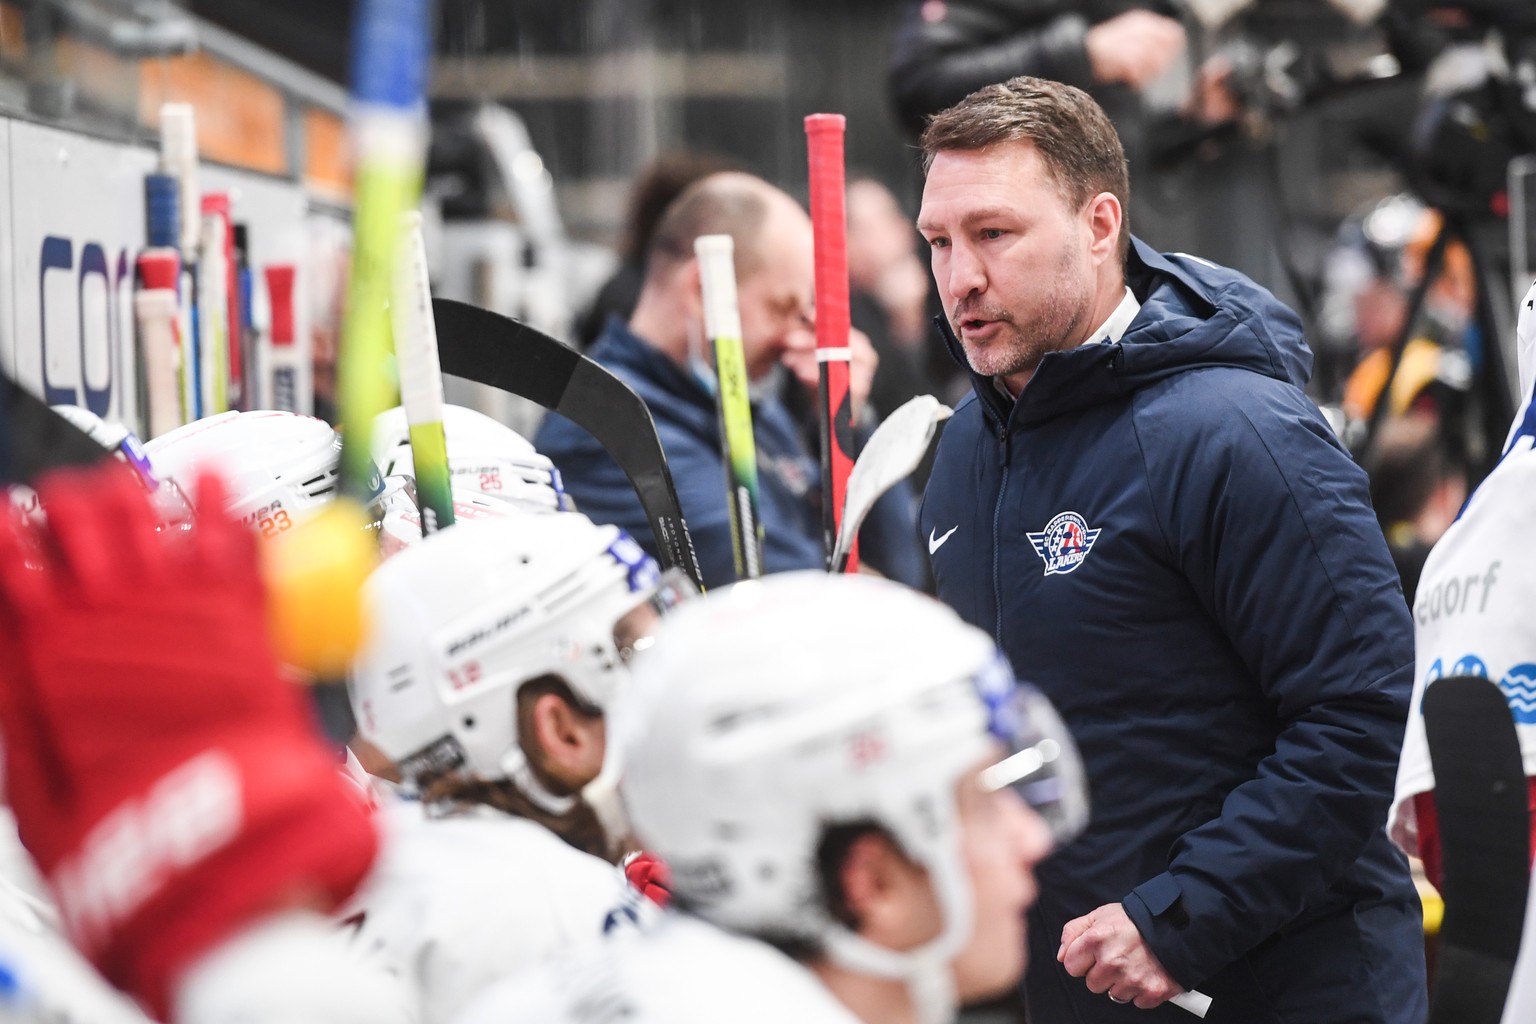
[46, 981]
[681, 971]
[1473, 616]
[455, 903]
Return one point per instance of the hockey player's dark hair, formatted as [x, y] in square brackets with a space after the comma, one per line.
[579, 827]
[831, 853]
[1066, 126]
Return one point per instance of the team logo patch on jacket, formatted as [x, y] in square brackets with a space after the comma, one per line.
[1064, 543]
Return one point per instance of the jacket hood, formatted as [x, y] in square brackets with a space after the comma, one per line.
[1194, 315]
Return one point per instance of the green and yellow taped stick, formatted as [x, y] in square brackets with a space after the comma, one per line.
[722, 320]
[421, 377]
[390, 45]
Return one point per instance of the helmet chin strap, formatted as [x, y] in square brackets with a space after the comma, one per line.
[520, 772]
[602, 795]
[926, 970]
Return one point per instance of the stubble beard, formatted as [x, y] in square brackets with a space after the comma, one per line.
[1018, 349]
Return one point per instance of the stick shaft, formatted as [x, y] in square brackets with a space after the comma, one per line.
[283, 386]
[390, 47]
[824, 144]
[722, 320]
[421, 377]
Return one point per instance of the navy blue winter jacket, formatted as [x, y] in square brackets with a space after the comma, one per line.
[1165, 537]
[687, 423]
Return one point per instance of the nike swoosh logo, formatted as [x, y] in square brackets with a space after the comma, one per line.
[935, 543]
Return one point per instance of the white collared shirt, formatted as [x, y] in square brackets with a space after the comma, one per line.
[1109, 332]
[1113, 329]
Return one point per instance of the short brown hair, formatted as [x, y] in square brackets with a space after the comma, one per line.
[1071, 132]
[726, 203]
[653, 190]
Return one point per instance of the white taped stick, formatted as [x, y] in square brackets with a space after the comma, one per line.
[1196, 1002]
[421, 374]
[890, 455]
[213, 316]
[178, 158]
[156, 312]
[717, 278]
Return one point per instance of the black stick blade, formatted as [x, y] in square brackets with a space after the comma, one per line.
[1480, 797]
[492, 349]
[35, 439]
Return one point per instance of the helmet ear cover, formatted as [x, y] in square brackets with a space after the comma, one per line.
[437, 769]
[437, 774]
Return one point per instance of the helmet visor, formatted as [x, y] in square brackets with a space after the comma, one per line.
[1040, 762]
[634, 631]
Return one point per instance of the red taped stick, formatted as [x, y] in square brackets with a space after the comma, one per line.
[824, 143]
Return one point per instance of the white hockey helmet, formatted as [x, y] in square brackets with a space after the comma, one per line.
[773, 709]
[463, 619]
[277, 466]
[484, 455]
[114, 437]
[399, 514]
[172, 511]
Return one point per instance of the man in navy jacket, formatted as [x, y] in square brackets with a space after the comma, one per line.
[1162, 532]
[664, 355]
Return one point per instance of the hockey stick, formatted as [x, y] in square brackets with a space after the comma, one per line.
[213, 309]
[34, 439]
[157, 308]
[283, 381]
[178, 158]
[497, 351]
[157, 316]
[388, 126]
[317, 571]
[890, 455]
[1480, 797]
[421, 379]
[722, 320]
[824, 146]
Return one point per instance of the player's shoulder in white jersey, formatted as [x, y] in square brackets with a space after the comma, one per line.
[43, 979]
[1472, 616]
[679, 971]
[456, 903]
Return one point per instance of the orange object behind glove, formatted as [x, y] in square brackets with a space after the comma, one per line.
[170, 785]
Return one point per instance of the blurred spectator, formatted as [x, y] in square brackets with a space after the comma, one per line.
[947, 49]
[1380, 260]
[1203, 186]
[663, 353]
[1417, 488]
[888, 291]
[654, 189]
[889, 295]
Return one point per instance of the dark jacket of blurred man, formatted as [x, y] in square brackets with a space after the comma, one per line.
[665, 356]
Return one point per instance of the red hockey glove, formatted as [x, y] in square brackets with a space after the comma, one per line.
[167, 781]
[650, 876]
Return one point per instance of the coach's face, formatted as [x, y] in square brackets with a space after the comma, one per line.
[1014, 264]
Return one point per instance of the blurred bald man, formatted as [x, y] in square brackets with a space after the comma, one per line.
[665, 355]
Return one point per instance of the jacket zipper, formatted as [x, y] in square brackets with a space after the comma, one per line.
[997, 519]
